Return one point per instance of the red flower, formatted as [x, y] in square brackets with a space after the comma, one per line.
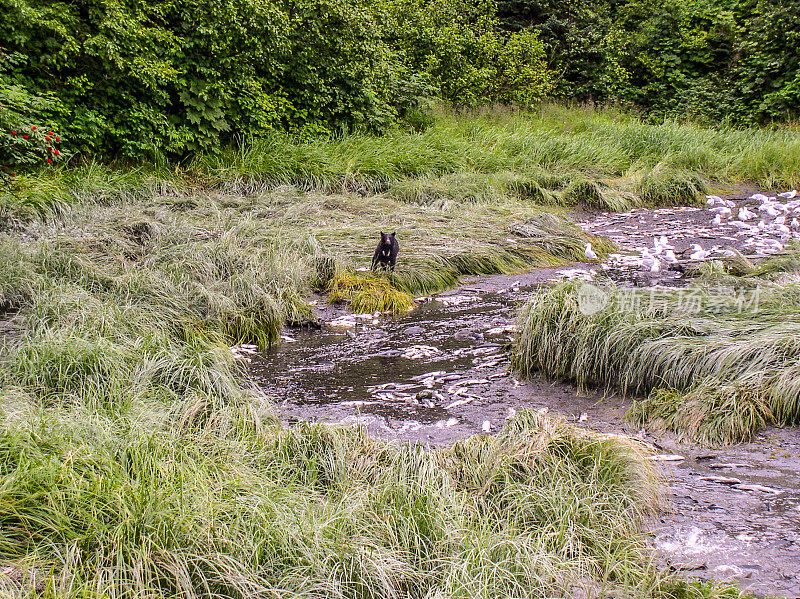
[13, 174]
[13, 133]
[56, 152]
[47, 138]
[33, 128]
[25, 136]
[58, 139]
[49, 161]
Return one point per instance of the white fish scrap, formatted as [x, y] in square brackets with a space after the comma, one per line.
[461, 402]
[572, 274]
[346, 321]
[457, 300]
[435, 373]
[723, 480]
[446, 423]
[241, 352]
[666, 457]
[761, 488]
[419, 351]
[509, 328]
[489, 364]
[468, 383]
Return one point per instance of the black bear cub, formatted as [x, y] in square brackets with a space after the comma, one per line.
[386, 252]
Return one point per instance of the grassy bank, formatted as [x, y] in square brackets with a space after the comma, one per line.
[140, 299]
[599, 158]
[512, 152]
[715, 363]
[230, 504]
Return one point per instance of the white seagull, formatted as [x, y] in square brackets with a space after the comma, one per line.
[745, 214]
[698, 253]
[590, 255]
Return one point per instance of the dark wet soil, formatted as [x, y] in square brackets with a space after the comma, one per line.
[442, 372]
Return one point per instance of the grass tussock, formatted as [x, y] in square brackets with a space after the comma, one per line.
[235, 505]
[443, 191]
[713, 412]
[715, 364]
[368, 293]
[670, 187]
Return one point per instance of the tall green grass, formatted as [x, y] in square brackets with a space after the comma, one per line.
[228, 507]
[716, 371]
[559, 141]
[547, 156]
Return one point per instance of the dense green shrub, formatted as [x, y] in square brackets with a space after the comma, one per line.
[713, 60]
[26, 141]
[454, 44]
[173, 77]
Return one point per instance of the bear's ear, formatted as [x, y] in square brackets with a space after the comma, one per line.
[382, 233]
[395, 233]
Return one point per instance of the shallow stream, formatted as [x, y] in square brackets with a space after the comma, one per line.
[442, 372]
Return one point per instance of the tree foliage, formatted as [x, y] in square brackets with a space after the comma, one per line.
[713, 60]
[173, 77]
[26, 140]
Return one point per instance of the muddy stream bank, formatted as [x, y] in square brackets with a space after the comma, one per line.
[442, 372]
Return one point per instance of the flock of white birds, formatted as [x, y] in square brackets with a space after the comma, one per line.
[765, 231]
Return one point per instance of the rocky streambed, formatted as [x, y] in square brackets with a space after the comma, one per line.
[442, 372]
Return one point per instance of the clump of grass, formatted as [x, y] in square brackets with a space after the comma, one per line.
[367, 293]
[584, 193]
[715, 348]
[714, 412]
[669, 187]
[473, 187]
[31, 198]
[237, 506]
[594, 195]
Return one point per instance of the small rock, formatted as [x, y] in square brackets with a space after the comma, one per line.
[728, 569]
[389, 353]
